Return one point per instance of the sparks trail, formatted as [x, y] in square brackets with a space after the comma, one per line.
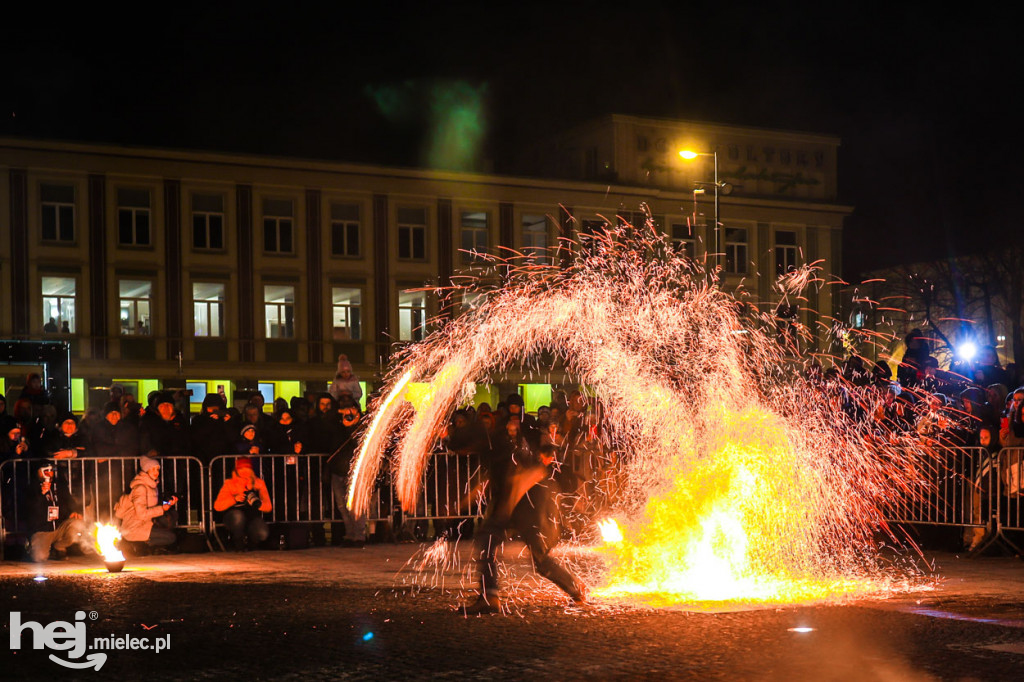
[737, 480]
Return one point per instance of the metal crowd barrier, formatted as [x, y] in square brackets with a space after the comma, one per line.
[950, 486]
[964, 487]
[300, 488]
[452, 488]
[97, 484]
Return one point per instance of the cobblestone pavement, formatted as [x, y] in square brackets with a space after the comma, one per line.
[334, 613]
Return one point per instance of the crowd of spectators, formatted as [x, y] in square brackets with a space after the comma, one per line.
[319, 423]
[973, 404]
[972, 400]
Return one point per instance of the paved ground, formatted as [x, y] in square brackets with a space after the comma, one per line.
[369, 614]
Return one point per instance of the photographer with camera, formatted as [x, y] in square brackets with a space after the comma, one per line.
[243, 498]
[54, 518]
[149, 518]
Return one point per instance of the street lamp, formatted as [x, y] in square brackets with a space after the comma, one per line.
[690, 156]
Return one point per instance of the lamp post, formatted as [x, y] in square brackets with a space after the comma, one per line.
[690, 156]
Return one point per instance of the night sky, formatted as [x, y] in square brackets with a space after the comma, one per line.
[924, 101]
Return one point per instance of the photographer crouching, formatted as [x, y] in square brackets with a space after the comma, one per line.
[243, 498]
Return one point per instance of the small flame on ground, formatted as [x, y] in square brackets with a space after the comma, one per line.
[106, 535]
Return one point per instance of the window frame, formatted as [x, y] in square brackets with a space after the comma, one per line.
[59, 298]
[785, 251]
[686, 246]
[349, 307]
[527, 245]
[206, 215]
[58, 222]
[278, 221]
[733, 248]
[466, 254]
[416, 332]
[346, 224]
[412, 229]
[208, 303]
[282, 309]
[135, 212]
[134, 303]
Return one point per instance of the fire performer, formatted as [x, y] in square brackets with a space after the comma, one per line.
[522, 499]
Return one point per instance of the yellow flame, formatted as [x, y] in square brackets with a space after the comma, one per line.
[610, 531]
[737, 525]
[106, 535]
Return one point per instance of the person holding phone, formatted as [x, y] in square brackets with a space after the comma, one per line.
[150, 518]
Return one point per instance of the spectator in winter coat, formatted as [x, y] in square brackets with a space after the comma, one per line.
[288, 435]
[166, 432]
[12, 444]
[339, 464]
[65, 441]
[244, 498]
[345, 382]
[249, 442]
[209, 433]
[148, 518]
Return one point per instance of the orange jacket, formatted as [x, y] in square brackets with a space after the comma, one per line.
[238, 485]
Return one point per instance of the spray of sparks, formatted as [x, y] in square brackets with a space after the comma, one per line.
[735, 481]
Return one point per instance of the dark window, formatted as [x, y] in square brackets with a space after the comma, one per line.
[207, 221]
[133, 227]
[412, 233]
[345, 229]
[277, 225]
[786, 251]
[682, 237]
[58, 212]
[735, 250]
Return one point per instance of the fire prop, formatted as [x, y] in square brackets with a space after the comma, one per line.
[736, 480]
[106, 535]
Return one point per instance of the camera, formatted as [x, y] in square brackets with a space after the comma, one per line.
[252, 498]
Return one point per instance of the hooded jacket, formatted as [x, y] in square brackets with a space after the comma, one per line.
[138, 521]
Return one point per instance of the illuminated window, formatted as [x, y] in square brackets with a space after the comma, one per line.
[412, 233]
[135, 298]
[277, 226]
[59, 304]
[786, 251]
[58, 212]
[208, 308]
[207, 221]
[682, 238]
[133, 217]
[279, 306]
[736, 250]
[347, 313]
[345, 230]
[474, 234]
[535, 233]
[412, 314]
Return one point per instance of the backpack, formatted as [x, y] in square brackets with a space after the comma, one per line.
[124, 504]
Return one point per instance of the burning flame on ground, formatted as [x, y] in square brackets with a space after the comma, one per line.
[106, 535]
[737, 481]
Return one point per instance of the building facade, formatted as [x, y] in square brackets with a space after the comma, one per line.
[165, 268]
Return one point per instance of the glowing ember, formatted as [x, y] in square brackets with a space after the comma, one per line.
[106, 535]
[610, 531]
[736, 479]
